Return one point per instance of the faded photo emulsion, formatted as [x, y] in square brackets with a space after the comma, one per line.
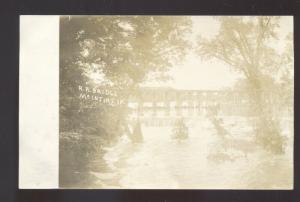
[176, 102]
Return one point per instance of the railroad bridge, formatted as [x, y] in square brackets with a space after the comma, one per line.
[162, 106]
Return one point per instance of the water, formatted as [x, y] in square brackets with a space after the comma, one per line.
[196, 163]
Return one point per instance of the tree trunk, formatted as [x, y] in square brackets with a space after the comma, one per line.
[267, 128]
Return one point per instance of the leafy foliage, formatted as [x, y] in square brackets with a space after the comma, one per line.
[121, 49]
[115, 51]
[243, 43]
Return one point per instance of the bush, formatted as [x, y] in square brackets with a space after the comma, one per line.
[268, 135]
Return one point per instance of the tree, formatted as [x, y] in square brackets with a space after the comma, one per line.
[286, 74]
[122, 50]
[243, 43]
[113, 51]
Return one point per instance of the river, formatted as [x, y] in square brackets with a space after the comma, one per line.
[163, 163]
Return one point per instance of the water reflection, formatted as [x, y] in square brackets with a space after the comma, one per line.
[196, 163]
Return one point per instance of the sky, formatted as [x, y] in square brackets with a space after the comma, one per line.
[196, 74]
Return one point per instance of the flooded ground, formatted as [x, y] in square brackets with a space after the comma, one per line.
[196, 163]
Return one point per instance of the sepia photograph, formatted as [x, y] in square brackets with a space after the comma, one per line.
[176, 102]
